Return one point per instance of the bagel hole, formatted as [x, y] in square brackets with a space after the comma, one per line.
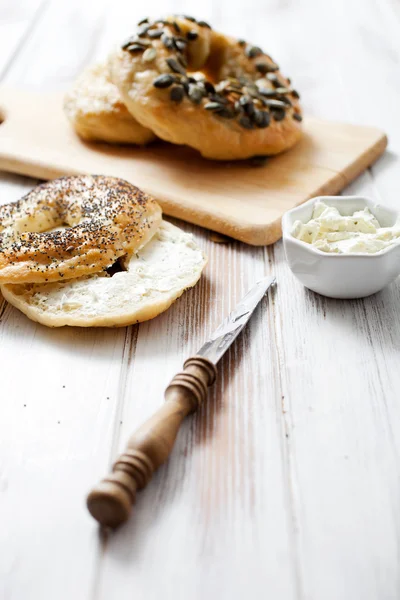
[117, 267]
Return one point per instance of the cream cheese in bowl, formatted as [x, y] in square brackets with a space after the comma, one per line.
[343, 246]
[330, 231]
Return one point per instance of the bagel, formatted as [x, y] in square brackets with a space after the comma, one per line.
[96, 111]
[105, 217]
[155, 276]
[241, 107]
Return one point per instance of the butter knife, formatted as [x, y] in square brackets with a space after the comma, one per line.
[110, 502]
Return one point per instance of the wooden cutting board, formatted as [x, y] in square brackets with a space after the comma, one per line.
[235, 199]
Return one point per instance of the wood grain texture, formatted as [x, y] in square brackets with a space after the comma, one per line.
[286, 484]
[235, 198]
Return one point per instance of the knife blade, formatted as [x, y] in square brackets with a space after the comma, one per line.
[232, 325]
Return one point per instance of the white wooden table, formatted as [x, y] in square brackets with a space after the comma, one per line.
[287, 485]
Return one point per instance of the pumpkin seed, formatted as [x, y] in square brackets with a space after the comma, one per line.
[149, 54]
[272, 103]
[261, 118]
[297, 117]
[163, 81]
[295, 94]
[286, 100]
[249, 109]
[242, 42]
[213, 106]
[274, 80]
[263, 67]
[221, 86]
[218, 98]
[267, 92]
[140, 42]
[142, 32]
[177, 93]
[128, 42]
[245, 100]
[195, 93]
[246, 122]
[201, 86]
[175, 66]
[176, 27]
[282, 90]
[135, 48]
[278, 114]
[192, 35]
[155, 33]
[180, 45]
[192, 19]
[185, 84]
[253, 51]
[247, 104]
[203, 24]
[143, 21]
[168, 41]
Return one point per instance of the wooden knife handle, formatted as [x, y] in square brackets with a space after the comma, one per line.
[110, 502]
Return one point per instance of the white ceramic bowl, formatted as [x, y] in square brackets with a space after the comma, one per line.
[341, 275]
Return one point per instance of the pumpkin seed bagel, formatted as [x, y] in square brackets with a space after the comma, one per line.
[102, 218]
[96, 111]
[241, 106]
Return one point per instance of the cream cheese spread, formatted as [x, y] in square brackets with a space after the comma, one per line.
[361, 232]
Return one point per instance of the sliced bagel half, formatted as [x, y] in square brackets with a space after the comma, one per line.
[149, 282]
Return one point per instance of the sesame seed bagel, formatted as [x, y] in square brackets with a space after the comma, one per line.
[241, 105]
[105, 218]
[153, 278]
[96, 111]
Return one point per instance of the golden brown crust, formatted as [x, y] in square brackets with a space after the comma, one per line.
[242, 108]
[89, 302]
[105, 217]
[95, 109]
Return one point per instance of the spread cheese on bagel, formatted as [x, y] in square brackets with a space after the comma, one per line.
[155, 276]
[240, 107]
[96, 111]
[105, 218]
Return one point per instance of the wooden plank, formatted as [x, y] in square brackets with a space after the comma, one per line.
[54, 439]
[287, 484]
[17, 20]
[234, 199]
[59, 46]
[221, 493]
[337, 359]
[215, 521]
